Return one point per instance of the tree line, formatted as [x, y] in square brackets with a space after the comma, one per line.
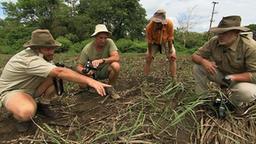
[73, 21]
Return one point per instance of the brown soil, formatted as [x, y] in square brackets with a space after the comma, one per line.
[83, 114]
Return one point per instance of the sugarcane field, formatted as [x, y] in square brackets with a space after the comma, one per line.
[150, 110]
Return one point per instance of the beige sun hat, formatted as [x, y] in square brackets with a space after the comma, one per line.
[159, 16]
[41, 38]
[99, 28]
[229, 23]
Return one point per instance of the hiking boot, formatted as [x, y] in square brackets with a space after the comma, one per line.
[112, 92]
[44, 109]
[23, 126]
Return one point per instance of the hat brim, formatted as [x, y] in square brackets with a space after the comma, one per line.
[217, 30]
[95, 33]
[158, 20]
[29, 44]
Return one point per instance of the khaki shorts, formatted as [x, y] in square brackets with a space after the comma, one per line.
[4, 97]
[162, 48]
[102, 73]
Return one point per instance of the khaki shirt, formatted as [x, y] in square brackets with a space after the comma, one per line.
[89, 52]
[26, 70]
[238, 58]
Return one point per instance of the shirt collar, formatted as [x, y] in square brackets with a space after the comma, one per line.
[233, 47]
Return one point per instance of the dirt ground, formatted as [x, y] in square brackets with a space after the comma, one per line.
[83, 114]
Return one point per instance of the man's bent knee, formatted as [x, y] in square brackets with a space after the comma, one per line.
[244, 92]
[115, 66]
[20, 104]
[25, 113]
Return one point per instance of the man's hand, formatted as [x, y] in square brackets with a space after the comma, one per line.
[99, 87]
[97, 62]
[91, 72]
[173, 56]
[227, 80]
[210, 67]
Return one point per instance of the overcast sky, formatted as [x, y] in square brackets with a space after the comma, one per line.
[201, 11]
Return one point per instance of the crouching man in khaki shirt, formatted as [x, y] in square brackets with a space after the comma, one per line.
[228, 59]
[29, 73]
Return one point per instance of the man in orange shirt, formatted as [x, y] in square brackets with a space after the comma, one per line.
[160, 35]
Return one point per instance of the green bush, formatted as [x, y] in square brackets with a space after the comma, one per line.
[65, 44]
[192, 39]
[78, 47]
[127, 45]
[72, 37]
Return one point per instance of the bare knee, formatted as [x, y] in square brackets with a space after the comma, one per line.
[25, 112]
[21, 105]
[115, 66]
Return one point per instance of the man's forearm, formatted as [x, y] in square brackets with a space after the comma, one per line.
[111, 59]
[241, 77]
[197, 59]
[70, 75]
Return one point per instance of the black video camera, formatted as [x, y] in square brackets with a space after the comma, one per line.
[219, 105]
[226, 82]
[58, 82]
[87, 67]
[222, 105]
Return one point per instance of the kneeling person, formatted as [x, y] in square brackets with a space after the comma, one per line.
[102, 55]
[29, 74]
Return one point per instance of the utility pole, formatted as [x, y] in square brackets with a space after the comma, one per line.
[213, 12]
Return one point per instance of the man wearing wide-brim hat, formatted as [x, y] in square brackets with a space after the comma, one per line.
[229, 60]
[29, 74]
[102, 54]
[160, 36]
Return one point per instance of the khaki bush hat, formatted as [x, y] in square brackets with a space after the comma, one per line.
[229, 23]
[41, 38]
[159, 16]
[99, 28]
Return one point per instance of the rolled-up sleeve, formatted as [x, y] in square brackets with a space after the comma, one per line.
[250, 61]
[83, 56]
[204, 51]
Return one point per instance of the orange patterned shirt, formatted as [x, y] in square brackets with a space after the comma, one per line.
[154, 36]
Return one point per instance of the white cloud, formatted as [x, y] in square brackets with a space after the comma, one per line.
[202, 12]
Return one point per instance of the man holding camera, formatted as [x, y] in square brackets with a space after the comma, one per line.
[229, 60]
[100, 59]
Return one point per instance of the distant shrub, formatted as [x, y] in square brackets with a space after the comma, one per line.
[182, 50]
[190, 39]
[66, 44]
[127, 45]
[72, 37]
[78, 47]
